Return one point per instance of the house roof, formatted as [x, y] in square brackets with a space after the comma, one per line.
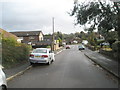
[7, 34]
[27, 33]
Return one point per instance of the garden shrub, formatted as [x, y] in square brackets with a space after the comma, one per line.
[116, 49]
[13, 52]
[48, 46]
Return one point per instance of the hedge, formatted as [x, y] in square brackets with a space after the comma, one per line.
[116, 49]
[13, 52]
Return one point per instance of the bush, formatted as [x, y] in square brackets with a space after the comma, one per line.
[91, 47]
[48, 46]
[100, 41]
[116, 49]
[13, 52]
[115, 46]
[98, 47]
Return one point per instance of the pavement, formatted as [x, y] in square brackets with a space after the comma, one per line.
[112, 66]
[20, 69]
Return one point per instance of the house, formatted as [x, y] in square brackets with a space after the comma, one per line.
[47, 41]
[29, 37]
[85, 42]
[76, 40]
[36, 39]
[49, 38]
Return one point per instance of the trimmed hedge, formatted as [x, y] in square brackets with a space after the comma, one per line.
[116, 49]
[116, 46]
[13, 52]
[93, 48]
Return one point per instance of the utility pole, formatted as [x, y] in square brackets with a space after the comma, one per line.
[53, 37]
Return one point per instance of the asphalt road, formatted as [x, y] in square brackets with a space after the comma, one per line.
[70, 70]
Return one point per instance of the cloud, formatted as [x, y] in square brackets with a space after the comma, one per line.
[37, 14]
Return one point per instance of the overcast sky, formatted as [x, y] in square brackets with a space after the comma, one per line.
[23, 15]
[18, 15]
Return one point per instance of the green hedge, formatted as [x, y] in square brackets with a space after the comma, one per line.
[116, 46]
[13, 53]
[116, 49]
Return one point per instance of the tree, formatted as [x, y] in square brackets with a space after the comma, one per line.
[111, 37]
[69, 37]
[59, 35]
[83, 35]
[100, 15]
[77, 34]
[92, 39]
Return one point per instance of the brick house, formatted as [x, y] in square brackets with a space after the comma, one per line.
[47, 41]
[29, 37]
[36, 39]
[48, 38]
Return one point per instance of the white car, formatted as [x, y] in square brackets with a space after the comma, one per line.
[41, 55]
[3, 83]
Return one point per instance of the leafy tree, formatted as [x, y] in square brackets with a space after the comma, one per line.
[59, 35]
[83, 35]
[77, 34]
[111, 37]
[92, 39]
[100, 15]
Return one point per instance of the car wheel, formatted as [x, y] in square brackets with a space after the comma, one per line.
[49, 63]
[4, 87]
[31, 63]
[53, 60]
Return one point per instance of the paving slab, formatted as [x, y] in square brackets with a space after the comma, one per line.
[107, 63]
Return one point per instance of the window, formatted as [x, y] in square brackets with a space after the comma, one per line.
[20, 38]
[31, 37]
[48, 39]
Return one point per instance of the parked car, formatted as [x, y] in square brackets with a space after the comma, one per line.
[81, 47]
[41, 55]
[67, 47]
[3, 82]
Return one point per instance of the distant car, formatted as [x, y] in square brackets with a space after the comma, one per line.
[3, 82]
[41, 55]
[67, 47]
[81, 47]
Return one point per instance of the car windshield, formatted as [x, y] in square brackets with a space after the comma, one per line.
[40, 51]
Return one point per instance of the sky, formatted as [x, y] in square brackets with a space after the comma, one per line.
[34, 15]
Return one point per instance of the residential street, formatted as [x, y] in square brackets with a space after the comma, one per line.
[72, 69]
